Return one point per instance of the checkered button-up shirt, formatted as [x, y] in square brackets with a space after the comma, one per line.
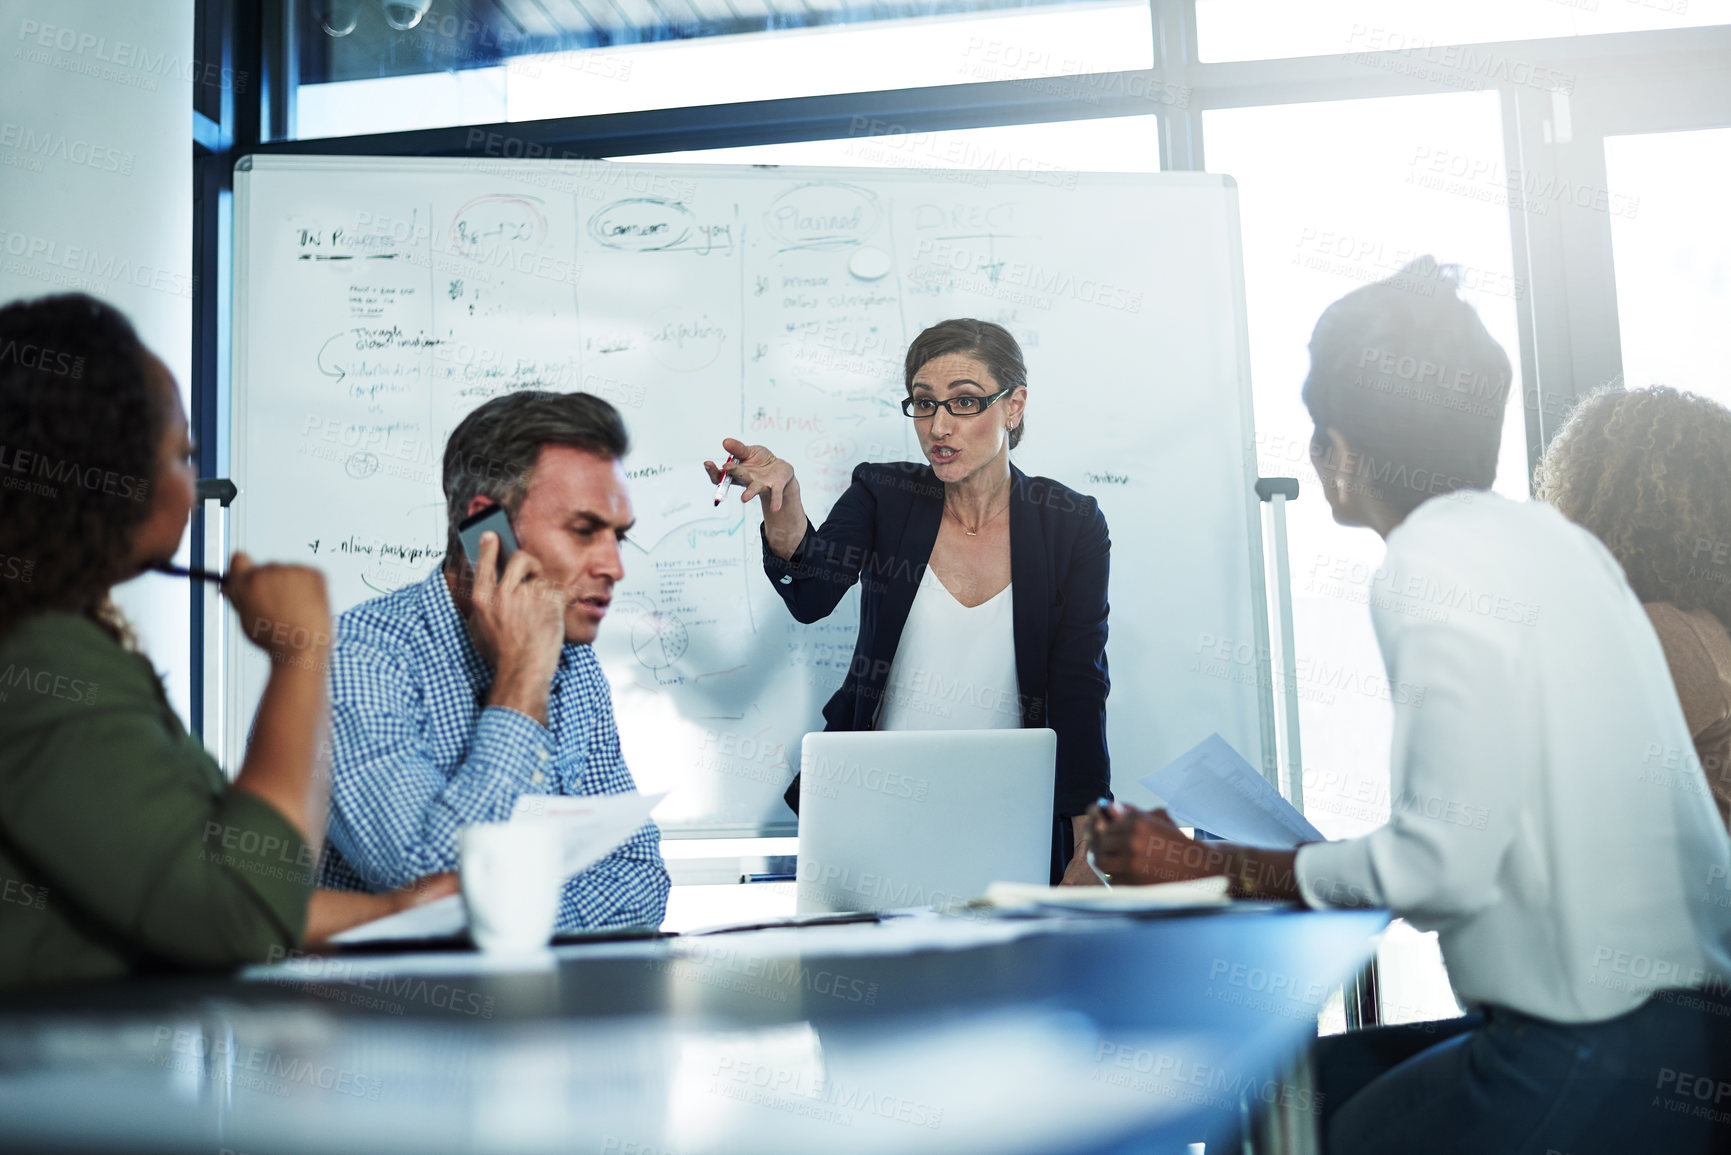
[419, 754]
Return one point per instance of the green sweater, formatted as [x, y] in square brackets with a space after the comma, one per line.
[120, 849]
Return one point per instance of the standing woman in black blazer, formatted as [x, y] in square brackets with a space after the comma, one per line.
[957, 553]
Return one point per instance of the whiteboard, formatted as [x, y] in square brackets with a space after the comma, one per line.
[377, 301]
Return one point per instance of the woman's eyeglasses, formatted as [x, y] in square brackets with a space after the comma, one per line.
[963, 406]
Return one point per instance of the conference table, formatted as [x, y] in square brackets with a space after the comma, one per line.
[916, 1033]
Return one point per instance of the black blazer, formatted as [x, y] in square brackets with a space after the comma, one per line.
[882, 531]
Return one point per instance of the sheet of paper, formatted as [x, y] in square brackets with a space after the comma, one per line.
[925, 931]
[1213, 787]
[589, 826]
[442, 916]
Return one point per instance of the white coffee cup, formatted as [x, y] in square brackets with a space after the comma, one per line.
[511, 883]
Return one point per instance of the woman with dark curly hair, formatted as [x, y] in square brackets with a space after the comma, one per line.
[1649, 472]
[121, 849]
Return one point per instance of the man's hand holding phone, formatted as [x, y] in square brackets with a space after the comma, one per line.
[517, 622]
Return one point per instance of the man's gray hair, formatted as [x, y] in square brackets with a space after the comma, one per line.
[493, 450]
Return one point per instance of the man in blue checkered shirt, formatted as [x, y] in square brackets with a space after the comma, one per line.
[454, 696]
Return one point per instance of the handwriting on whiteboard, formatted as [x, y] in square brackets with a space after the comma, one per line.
[650, 225]
[823, 215]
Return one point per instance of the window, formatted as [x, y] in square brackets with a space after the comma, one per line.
[1334, 196]
[1673, 257]
[400, 103]
[463, 86]
[1425, 31]
[1064, 40]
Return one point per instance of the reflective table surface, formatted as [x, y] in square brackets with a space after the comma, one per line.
[915, 1034]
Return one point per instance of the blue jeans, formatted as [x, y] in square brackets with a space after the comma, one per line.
[1655, 1080]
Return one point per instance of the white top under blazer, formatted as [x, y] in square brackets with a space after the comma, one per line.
[1548, 818]
[955, 665]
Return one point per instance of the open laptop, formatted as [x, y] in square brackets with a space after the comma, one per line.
[897, 818]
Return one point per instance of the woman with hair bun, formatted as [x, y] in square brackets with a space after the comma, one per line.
[1577, 883]
[972, 571]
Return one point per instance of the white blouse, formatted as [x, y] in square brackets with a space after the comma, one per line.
[1549, 819]
[955, 665]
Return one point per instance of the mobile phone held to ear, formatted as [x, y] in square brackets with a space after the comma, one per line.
[470, 529]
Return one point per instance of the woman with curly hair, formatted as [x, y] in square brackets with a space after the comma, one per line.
[1648, 471]
[121, 849]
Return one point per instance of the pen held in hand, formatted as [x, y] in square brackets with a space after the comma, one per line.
[721, 490]
[1102, 816]
[203, 575]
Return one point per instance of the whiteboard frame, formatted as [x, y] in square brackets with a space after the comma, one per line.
[237, 729]
[1263, 633]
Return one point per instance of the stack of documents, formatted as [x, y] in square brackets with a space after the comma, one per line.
[1023, 896]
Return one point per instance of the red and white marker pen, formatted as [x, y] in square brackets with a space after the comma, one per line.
[721, 490]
